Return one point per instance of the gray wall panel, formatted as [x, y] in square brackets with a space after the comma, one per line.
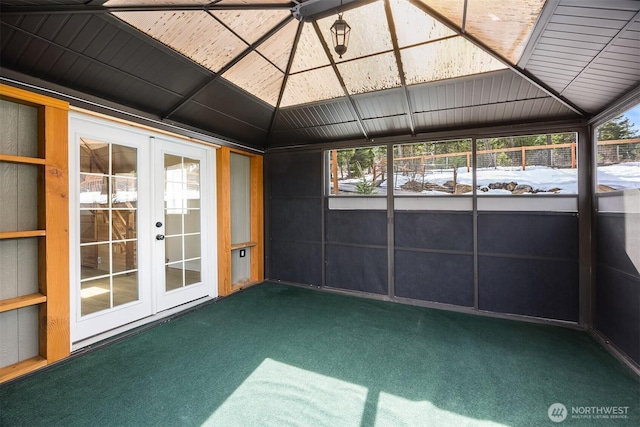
[357, 268]
[296, 262]
[617, 301]
[618, 237]
[554, 236]
[296, 219]
[9, 353]
[434, 277]
[434, 230]
[295, 174]
[240, 198]
[357, 227]
[617, 311]
[540, 288]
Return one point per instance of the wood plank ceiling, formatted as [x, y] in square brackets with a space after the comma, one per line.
[248, 72]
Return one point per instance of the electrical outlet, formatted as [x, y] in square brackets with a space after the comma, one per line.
[242, 253]
[99, 260]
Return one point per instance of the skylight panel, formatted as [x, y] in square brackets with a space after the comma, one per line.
[446, 59]
[450, 9]
[369, 31]
[257, 76]
[504, 27]
[194, 34]
[310, 53]
[278, 47]
[251, 24]
[310, 86]
[414, 26]
[242, 2]
[370, 74]
[111, 3]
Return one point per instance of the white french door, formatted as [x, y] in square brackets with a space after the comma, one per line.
[182, 222]
[144, 233]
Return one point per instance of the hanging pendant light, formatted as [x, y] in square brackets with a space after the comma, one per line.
[340, 31]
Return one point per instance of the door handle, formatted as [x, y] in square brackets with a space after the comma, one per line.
[159, 236]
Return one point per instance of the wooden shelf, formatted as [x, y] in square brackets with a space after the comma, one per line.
[20, 159]
[22, 301]
[243, 245]
[52, 201]
[22, 234]
[13, 371]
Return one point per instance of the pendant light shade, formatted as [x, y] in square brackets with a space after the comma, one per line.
[340, 31]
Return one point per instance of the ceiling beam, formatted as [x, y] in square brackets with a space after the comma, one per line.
[520, 72]
[396, 52]
[341, 80]
[276, 110]
[209, 80]
[53, 9]
[313, 10]
[539, 28]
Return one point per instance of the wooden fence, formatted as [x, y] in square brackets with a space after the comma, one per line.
[379, 168]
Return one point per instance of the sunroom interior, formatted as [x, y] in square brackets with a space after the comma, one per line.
[472, 157]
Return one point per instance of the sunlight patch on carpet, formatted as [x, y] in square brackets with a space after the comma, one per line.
[277, 394]
[396, 411]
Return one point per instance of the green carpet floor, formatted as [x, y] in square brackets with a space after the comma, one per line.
[276, 355]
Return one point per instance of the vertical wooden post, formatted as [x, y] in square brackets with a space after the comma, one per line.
[468, 162]
[573, 155]
[223, 185]
[257, 218]
[524, 158]
[334, 170]
[55, 341]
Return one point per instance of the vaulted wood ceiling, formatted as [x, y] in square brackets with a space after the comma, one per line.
[250, 72]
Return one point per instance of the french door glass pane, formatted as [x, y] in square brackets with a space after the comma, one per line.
[125, 288]
[108, 223]
[182, 221]
[173, 276]
[95, 295]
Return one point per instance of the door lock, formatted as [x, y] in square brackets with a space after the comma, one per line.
[158, 224]
[159, 236]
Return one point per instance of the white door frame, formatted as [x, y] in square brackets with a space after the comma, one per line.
[84, 329]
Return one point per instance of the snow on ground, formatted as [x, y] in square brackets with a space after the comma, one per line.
[623, 175]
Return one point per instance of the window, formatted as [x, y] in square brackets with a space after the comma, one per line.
[433, 168]
[618, 152]
[524, 165]
[358, 171]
